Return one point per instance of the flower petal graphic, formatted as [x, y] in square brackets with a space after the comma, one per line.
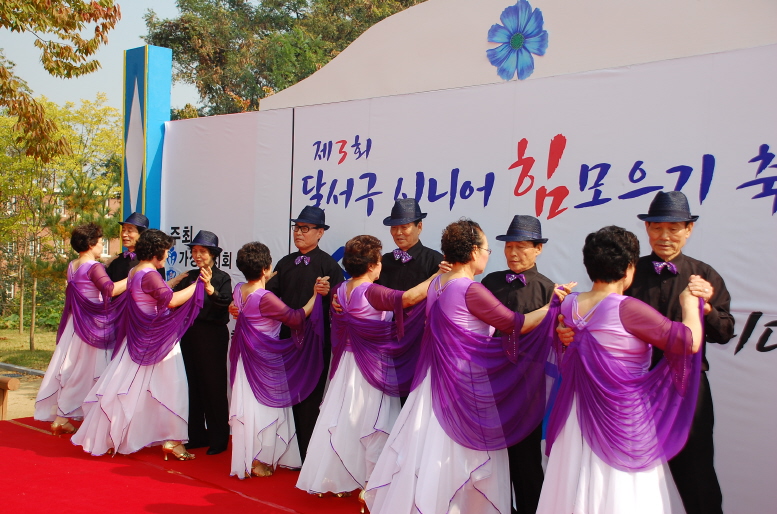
[507, 70]
[499, 54]
[534, 25]
[509, 18]
[520, 37]
[537, 45]
[498, 34]
[524, 13]
[525, 64]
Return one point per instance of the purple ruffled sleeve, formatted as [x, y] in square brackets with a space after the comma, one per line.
[101, 280]
[674, 338]
[153, 285]
[487, 308]
[273, 307]
[383, 298]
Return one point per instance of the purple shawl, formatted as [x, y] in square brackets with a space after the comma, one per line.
[386, 352]
[630, 422]
[484, 396]
[150, 337]
[281, 372]
[93, 322]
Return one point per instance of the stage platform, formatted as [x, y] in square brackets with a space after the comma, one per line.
[43, 473]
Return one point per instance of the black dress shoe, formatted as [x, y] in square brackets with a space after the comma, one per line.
[216, 451]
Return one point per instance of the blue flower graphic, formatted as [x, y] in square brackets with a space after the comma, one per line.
[521, 36]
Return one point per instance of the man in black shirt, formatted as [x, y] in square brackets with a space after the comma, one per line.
[658, 281]
[523, 289]
[119, 267]
[411, 263]
[293, 283]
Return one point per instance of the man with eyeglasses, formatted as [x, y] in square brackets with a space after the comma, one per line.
[523, 289]
[295, 276]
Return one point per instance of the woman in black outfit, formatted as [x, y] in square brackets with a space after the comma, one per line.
[204, 347]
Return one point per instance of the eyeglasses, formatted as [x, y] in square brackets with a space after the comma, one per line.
[487, 250]
[301, 228]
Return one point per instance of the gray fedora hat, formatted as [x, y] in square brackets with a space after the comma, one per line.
[524, 228]
[312, 215]
[404, 211]
[671, 206]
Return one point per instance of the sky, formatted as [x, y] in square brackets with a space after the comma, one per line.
[19, 48]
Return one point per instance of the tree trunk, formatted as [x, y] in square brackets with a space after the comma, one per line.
[32, 313]
[21, 299]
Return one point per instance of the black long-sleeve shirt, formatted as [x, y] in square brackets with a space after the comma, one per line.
[120, 267]
[215, 306]
[403, 276]
[662, 292]
[294, 282]
[518, 297]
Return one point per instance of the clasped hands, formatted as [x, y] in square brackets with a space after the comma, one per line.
[321, 287]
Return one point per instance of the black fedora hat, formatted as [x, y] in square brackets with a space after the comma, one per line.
[205, 238]
[312, 215]
[136, 219]
[404, 211]
[524, 228]
[670, 207]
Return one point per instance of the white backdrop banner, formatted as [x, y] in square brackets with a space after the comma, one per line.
[578, 151]
[229, 175]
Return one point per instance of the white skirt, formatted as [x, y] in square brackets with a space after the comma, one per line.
[134, 406]
[422, 470]
[259, 432]
[577, 481]
[351, 430]
[74, 368]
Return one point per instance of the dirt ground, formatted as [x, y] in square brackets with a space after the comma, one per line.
[21, 402]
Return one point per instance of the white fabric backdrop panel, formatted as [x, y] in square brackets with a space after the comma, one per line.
[229, 175]
[695, 124]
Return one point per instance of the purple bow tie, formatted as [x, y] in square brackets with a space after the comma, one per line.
[302, 258]
[402, 255]
[660, 265]
[510, 277]
[130, 255]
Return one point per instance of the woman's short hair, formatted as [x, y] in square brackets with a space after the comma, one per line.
[458, 240]
[86, 236]
[252, 259]
[608, 252]
[153, 243]
[361, 252]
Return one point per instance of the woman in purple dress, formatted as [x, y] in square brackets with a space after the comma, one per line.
[372, 362]
[269, 374]
[142, 397]
[86, 334]
[473, 395]
[615, 423]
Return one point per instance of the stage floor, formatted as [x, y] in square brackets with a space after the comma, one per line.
[43, 473]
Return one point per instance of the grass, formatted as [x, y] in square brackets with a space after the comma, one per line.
[15, 348]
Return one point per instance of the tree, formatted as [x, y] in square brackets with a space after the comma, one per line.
[66, 54]
[237, 52]
[45, 200]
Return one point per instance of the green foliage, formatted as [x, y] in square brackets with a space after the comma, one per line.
[13, 349]
[237, 52]
[44, 201]
[48, 308]
[61, 28]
